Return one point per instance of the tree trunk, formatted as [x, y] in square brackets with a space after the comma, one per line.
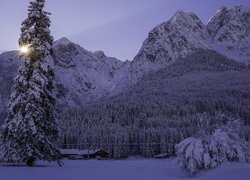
[30, 162]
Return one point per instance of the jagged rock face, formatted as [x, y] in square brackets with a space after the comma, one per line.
[64, 55]
[227, 33]
[100, 54]
[171, 40]
[81, 76]
[230, 30]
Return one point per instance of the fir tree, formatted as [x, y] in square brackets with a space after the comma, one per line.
[30, 130]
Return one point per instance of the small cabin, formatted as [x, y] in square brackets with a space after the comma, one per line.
[162, 156]
[70, 154]
[95, 154]
[84, 154]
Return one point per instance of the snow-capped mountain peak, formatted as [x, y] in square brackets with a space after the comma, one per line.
[185, 18]
[228, 32]
[171, 40]
[62, 41]
[84, 76]
[237, 16]
[81, 75]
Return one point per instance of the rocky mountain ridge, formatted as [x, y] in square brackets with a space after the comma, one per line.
[83, 76]
[227, 32]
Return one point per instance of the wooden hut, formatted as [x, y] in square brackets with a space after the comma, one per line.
[84, 154]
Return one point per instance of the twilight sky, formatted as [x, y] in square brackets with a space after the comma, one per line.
[118, 27]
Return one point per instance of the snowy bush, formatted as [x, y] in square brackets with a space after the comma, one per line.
[192, 155]
[209, 152]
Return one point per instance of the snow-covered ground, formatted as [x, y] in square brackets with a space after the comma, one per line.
[133, 169]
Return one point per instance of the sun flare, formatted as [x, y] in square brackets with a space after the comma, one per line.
[24, 49]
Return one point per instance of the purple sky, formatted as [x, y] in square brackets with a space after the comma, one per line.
[118, 27]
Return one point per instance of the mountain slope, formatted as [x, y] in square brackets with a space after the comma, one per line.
[192, 96]
[8, 69]
[204, 75]
[172, 40]
[228, 32]
[81, 76]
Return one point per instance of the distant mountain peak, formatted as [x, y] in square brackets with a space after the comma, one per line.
[180, 14]
[228, 32]
[179, 36]
[185, 17]
[62, 41]
[84, 76]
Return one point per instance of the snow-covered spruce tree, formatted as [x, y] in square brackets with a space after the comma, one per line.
[30, 130]
[225, 144]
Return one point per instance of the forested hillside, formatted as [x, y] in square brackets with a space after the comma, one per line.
[192, 96]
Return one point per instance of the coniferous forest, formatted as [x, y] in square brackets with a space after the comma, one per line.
[194, 96]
